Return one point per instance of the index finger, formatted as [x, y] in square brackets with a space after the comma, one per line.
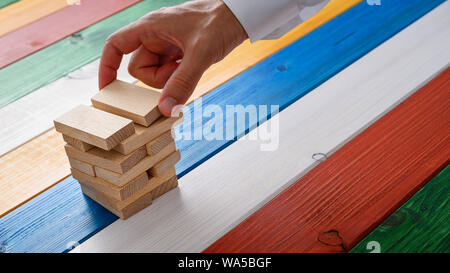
[123, 41]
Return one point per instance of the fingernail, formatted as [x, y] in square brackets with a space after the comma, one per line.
[168, 106]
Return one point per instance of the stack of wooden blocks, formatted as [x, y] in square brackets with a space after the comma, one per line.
[121, 150]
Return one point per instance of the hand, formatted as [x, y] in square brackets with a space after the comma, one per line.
[173, 47]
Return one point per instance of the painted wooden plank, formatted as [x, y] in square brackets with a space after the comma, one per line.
[418, 226]
[68, 54]
[56, 26]
[5, 3]
[25, 12]
[38, 121]
[334, 206]
[211, 200]
[360, 15]
[60, 235]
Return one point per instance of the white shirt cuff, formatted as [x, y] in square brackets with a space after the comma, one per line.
[269, 19]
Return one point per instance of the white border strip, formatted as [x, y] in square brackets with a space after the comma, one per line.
[226, 189]
[33, 114]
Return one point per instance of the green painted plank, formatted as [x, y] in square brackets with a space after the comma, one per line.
[65, 56]
[421, 225]
[4, 3]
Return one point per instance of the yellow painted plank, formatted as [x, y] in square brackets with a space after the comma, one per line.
[41, 162]
[24, 12]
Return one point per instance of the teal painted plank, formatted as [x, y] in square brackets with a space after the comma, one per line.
[4, 3]
[421, 225]
[65, 56]
[279, 80]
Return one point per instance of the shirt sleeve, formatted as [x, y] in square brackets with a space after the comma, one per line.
[271, 19]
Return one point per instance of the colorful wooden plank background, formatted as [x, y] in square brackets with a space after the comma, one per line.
[336, 204]
[56, 26]
[419, 225]
[24, 12]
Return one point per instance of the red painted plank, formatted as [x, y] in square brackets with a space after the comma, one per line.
[56, 26]
[340, 201]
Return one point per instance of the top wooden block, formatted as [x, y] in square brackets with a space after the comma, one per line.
[129, 101]
[94, 126]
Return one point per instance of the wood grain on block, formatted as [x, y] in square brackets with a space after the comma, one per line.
[93, 126]
[25, 12]
[135, 202]
[56, 26]
[144, 134]
[130, 101]
[76, 143]
[124, 211]
[111, 190]
[156, 145]
[165, 187]
[82, 166]
[110, 160]
[340, 201]
[161, 167]
[143, 166]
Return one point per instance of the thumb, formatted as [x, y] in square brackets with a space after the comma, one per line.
[181, 85]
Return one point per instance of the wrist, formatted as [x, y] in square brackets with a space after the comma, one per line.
[237, 29]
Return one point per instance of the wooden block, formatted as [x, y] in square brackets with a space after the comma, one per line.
[94, 126]
[110, 160]
[126, 211]
[156, 145]
[82, 166]
[144, 165]
[140, 200]
[144, 135]
[80, 145]
[110, 190]
[164, 165]
[130, 101]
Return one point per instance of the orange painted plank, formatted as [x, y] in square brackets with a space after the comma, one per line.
[35, 167]
[339, 202]
[56, 26]
[25, 12]
[19, 190]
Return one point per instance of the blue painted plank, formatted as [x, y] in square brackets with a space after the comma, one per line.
[71, 217]
[62, 214]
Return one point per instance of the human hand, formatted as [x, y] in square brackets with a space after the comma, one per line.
[172, 48]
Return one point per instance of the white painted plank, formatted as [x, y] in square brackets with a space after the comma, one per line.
[219, 194]
[33, 114]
